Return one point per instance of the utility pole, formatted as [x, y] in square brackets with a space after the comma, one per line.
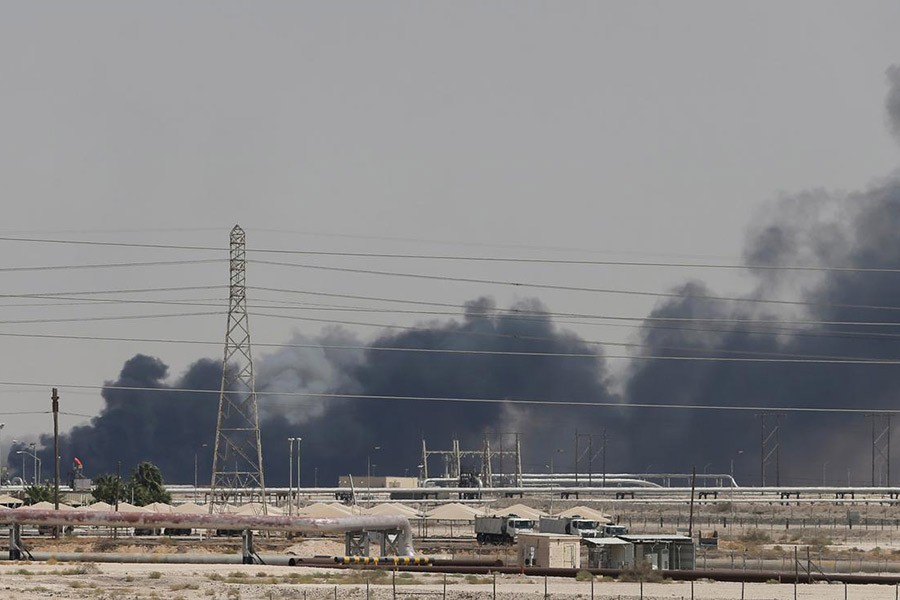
[54, 403]
[881, 446]
[769, 446]
[290, 475]
[237, 458]
[299, 447]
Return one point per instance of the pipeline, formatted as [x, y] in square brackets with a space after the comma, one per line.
[676, 575]
[152, 558]
[330, 562]
[382, 560]
[139, 520]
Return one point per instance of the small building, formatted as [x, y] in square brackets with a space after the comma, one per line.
[549, 550]
[664, 552]
[381, 481]
[609, 553]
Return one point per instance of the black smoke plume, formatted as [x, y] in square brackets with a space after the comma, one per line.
[815, 228]
[339, 435]
[858, 230]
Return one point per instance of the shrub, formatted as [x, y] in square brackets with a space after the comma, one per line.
[641, 572]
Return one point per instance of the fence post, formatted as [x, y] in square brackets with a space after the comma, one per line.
[394, 582]
[546, 595]
[742, 590]
[367, 586]
[495, 585]
[692, 589]
[445, 587]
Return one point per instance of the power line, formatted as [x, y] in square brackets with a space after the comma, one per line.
[157, 263]
[800, 358]
[566, 288]
[117, 291]
[115, 318]
[535, 402]
[446, 257]
[513, 313]
[543, 316]
[793, 332]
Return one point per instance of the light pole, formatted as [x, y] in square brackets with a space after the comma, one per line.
[739, 452]
[558, 451]
[291, 441]
[37, 462]
[369, 471]
[37, 475]
[2, 460]
[550, 486]
[299, 447]
[195, 469]
[23, 462]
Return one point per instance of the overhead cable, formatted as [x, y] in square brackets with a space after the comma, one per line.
[567, 288]
[774, 356]
[444, 257]
[466, 400]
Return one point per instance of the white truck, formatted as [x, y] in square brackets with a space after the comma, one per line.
[613, 530]
[501, 530]
[585, 528]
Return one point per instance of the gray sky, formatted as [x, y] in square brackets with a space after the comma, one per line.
[630, 129]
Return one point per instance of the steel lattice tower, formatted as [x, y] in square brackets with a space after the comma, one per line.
[237, 458]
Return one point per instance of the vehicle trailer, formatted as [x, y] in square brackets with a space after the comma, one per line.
[501, 530]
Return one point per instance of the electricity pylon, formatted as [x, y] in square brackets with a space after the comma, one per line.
[237, 458]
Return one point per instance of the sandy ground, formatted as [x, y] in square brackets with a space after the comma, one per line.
[762, 534]
[27, 581]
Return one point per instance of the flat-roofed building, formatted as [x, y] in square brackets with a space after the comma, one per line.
[549, 550]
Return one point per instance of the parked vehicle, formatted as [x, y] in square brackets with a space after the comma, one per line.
[501, 530]
[613, 530]
[585, 528]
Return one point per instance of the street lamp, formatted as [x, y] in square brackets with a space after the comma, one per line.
[558, 451]
[369, 470]
[195, 469]
[14, 442]
[299, 447]
[2, 460]
[739, 452]
[550, 486]
[291, 441]
[37, 462]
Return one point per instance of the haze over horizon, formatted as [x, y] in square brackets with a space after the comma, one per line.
[701, 133]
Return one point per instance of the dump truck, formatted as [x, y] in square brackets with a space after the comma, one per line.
[576, 525]
[501, 530]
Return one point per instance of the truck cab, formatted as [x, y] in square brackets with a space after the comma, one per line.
[614, 530]
[585, 528]
[517, 525]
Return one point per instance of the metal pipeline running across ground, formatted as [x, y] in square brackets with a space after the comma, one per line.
[141, 520]
[735, 575]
